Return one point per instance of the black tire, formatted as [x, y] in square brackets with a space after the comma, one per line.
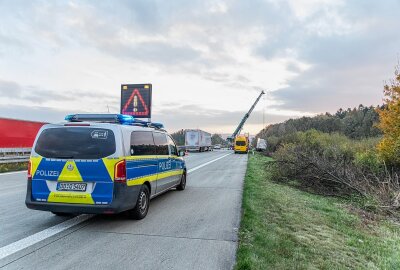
[142, 204]
[182, 184]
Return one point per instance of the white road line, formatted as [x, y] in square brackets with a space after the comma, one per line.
[49, 232]
[7, 173]
[40, 236]
[207, 163]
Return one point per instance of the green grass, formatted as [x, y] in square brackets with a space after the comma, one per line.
[286, 228]
[10, 167]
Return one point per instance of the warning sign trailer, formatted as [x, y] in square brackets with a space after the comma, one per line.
[136, 100]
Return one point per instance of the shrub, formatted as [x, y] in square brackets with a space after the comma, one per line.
[333, 164]
[389, 147]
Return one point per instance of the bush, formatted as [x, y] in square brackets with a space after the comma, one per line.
[389, 147]
[333, 164]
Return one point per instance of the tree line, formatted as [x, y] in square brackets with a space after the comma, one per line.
[356, 123]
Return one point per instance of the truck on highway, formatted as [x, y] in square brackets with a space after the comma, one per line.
[197, 140]
[261, 145]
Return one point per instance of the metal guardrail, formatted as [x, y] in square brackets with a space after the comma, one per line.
[14, 160]
[14, 155]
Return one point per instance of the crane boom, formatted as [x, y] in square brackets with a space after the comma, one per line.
[246, 116]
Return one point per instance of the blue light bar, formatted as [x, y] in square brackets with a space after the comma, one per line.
[105, 118]
[157, 125]
[125, 119]
[69, 117]
[112, 118]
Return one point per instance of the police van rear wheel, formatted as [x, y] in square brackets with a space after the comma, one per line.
[142, 204]
[182, 184]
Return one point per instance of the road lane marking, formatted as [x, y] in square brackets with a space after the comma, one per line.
[40, 236]
[49, 232]
[207, 163]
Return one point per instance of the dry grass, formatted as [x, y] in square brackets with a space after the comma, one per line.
[10, 167]
[286, 228]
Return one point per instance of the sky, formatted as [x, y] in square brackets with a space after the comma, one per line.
[207, 60]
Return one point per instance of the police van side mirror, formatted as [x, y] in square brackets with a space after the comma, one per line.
[182, 153]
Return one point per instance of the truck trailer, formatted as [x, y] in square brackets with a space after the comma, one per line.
[197, 140]
[261, 145]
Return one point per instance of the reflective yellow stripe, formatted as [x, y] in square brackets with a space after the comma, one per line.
[70, 197]
[153, 177]
[141, 157]
[110, 165]
[152, 157]
[35, 161]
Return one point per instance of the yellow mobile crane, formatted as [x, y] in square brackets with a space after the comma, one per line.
[241, 143]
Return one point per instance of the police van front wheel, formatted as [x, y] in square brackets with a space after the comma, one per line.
[142, 204]
[182, 184]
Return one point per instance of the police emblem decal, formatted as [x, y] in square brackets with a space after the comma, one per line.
[70, 167]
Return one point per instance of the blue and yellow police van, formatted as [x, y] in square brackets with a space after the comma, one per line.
[102, 164]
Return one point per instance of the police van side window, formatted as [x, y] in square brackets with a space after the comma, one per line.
[160, 139]
[142, 144]
[172, 146]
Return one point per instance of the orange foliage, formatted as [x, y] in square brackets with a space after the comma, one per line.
[389, 147]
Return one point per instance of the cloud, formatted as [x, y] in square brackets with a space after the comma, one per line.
[33, 113]
[34, 94]
[348, 57]
[212, 120]
[9, 89]
[315, 55]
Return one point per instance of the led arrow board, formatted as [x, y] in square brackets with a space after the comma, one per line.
[136, 100]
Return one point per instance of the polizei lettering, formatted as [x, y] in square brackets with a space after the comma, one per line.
[47, 173]
[165, 165]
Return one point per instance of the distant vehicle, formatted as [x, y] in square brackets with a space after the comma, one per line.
[217, 146]
[102, 164]
[241, 144]
[197, 140]
[261, 145]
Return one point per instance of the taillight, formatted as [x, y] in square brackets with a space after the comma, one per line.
[30, 170]
[120, 172]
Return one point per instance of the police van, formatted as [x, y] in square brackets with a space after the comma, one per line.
[102, 164]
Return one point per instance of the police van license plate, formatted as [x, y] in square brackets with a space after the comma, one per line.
[72, 187]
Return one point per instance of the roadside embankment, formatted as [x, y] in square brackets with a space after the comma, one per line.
[283, 227]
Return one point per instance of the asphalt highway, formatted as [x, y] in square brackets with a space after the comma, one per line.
[193, 229]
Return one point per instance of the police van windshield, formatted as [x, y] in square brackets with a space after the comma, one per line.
[76, 143]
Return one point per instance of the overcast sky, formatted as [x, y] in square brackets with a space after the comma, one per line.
[207, 60]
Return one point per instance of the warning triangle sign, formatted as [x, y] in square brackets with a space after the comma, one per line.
[135, 105]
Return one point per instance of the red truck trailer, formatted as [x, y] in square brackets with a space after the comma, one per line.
[18, 133]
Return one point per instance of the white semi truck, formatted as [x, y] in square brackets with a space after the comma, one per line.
[197, 140]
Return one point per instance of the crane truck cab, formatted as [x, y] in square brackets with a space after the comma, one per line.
[241, 144]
